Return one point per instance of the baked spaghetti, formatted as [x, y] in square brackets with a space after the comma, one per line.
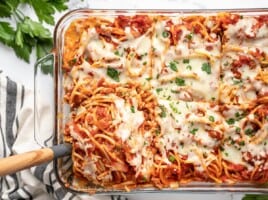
[157, 100]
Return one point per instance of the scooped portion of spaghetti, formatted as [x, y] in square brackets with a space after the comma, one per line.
[159, 100]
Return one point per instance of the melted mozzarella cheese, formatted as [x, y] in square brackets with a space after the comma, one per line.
[131, 121]
[243, 26]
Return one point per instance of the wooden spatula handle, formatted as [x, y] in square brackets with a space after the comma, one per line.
[19, 162]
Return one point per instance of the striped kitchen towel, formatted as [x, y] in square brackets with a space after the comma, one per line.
[17, 136]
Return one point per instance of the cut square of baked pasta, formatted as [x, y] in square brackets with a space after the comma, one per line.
[244, 30]
[186, 53]
[244, 75]
[119, 47]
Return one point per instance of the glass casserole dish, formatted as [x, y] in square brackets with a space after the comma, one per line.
[207, 50]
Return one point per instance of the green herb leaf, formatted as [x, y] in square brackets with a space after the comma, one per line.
[165, 34]
[23, 52]
[5, 11]
[28, 33]
[193, 131]
[72, 62]
[171, 158]
[34, 29]
[242, 143]
[237, 81]
[163, 111]
[43, 47]
[174, 108]
[175, 91]
[158, 90]
[186, 61]
[190, 36]
[230, 121]
[180, 82]
[132, 108]
[157, 132]
[172, 65]
[8, 7]
[237, 129]
[19, 36]
[226, 63]
[206, 68]
[113, 74]
[117, 53]
[211, 118]
[59, 5]
[44, 10]
[7, 33]
[189, 67]
[249, 131]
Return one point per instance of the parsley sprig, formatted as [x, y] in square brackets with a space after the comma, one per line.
[28, 34]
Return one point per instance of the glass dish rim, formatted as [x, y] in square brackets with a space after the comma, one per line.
[58, 39]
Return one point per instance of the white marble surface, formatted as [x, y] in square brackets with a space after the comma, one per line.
[22, 72]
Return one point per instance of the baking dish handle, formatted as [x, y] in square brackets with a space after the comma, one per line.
[44, 100]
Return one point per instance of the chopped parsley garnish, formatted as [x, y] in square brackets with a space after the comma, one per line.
[180, 82]
[113, 74]
[72, 62]
[206, 68]
[144, 179]
[145, 54]
[159, 90]
[213, 98]
[163, 111]
[241, 17]
[186, 61]
[226, 63]
[230, 121]
[242, 143]
[239, 116]
[190, 36]
[174, 108]
[221, 148]
[157, 76]
[226, 154]
[149, 78]
[211, 118]
[171, 158]
[157, 132]
[165, 34]
[172, 65]
[237, 129]
[132, 108]
[144, 63]
[249, 131]
[189, 67]
[237, 81]
[117, 53]
[193, 131]
[175, 91]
